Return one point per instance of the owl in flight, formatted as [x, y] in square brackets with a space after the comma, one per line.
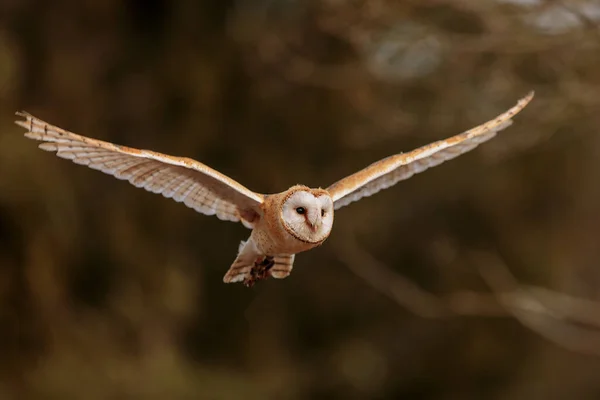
[282, 224]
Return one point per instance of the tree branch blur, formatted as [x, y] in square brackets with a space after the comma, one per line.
[567, 321]
[381, 48]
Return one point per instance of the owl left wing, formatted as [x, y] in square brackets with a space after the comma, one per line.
[185, 180]
[389, 171]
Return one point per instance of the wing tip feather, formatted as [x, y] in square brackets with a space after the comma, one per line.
[342, 195]
[52, 136]
[48, 146]
[523, 102]
[24, 114]
[23, 124]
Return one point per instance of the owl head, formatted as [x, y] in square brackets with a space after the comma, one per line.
[307, 214]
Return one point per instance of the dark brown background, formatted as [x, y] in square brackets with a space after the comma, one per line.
[108, 292]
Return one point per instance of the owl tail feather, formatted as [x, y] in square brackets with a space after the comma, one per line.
[251, 266]
[282, 266]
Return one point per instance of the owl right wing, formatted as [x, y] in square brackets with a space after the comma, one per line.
[389, 171]
[183, 179]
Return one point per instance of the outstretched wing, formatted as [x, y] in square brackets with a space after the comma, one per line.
[183, 179]
[389, 171]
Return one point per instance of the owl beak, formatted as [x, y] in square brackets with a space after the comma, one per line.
[313, 221]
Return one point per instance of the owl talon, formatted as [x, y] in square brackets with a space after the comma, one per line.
[259, 271]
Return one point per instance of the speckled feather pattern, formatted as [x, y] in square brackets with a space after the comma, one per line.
[182, 179]
[271, 237]
[274, 239]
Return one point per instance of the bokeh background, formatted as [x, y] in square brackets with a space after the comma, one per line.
[477, 279]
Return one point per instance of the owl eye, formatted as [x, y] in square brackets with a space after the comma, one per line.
[300, 210]
[322, 213]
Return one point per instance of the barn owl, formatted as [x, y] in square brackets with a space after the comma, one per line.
[283, 224]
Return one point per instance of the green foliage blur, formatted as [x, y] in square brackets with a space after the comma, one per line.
[110, 292]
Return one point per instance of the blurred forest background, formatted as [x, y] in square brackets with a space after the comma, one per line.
[477, 279]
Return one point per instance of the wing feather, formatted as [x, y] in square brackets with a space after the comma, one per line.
[182, 179]
[389, 171]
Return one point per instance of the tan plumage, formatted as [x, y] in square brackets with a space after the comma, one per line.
[282, 224]
[389, 171]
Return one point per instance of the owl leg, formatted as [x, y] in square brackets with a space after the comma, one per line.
[276, 266]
